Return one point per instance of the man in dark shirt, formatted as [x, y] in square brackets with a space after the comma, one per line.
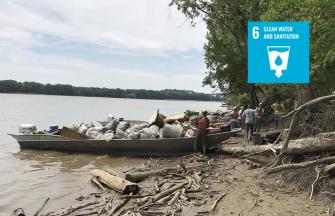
[201, 133]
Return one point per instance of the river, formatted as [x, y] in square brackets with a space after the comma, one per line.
[28, 177]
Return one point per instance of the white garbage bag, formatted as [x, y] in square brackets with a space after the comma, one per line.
[74, 127]
[134, 135]
[82, 129]
[93, 134]
[190, 133]
[89, 125]
[100, 136]
[112, 125]
[110, 118]
[171, 131]
[150, 133]
[120, 134]
[136, 128]
[123, 126]
[108, 136]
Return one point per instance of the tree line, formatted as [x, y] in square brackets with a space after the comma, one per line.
[12, 86]
[226, 46]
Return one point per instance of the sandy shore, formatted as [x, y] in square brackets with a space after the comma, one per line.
[245, 191]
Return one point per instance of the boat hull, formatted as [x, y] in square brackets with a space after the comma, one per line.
[142, 147]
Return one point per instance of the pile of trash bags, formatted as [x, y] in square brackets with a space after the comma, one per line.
[159, 126]
[116, 129]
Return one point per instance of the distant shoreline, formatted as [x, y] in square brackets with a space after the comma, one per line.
[19, 93]
[34, 88]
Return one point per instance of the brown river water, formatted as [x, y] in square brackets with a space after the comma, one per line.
[28, 177]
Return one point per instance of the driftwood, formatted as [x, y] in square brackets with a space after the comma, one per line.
[168, 192]
[72, 209]
[294, 120]
[251, 164]
[121, 185]
[175, 197]
[314, 182]
[319, 143]
[329, 168]
[139, 176]
[116, 208]
[216, 201]
[18, 212]
[301, 165]
[98, 184]
[39, 210]
[162, 194]
[164, 200]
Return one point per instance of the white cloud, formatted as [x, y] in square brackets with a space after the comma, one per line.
[136, 25]
[29, 66]
[118, 27]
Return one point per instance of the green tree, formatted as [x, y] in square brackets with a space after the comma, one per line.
[226, 46]
[11, 86]
[320, 14]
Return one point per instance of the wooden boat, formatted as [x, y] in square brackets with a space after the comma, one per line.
[141, 147]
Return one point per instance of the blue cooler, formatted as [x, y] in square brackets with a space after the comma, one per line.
[53, 128]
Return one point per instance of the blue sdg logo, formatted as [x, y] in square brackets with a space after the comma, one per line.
[278, 52]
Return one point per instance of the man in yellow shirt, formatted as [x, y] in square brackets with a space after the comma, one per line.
[278, 111]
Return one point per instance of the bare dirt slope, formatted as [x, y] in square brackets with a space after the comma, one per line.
[249, 193]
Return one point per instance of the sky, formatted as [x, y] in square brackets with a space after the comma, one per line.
[134, 44]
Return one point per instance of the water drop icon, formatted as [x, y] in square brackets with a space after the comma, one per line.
[278, 61]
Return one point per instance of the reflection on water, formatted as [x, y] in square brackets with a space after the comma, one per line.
[72, 162]
[28, 177]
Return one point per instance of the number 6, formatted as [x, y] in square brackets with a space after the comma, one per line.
[255, 33]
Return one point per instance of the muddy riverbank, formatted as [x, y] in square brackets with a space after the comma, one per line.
[244, 191]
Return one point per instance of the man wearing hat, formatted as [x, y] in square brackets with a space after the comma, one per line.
[201, 133]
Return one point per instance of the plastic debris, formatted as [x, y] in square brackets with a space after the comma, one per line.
[123, 126]
[112, 125]
[82, 129]
[171, 131]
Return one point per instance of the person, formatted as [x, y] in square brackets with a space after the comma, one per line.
[278, 111]
[234, 118]
[259, 117]
[249, 117]
[201, 133]
[239, 119]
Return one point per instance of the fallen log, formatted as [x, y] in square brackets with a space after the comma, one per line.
[301, 165]
[294, 120]
[120, 185]
[272, 136]
[139, 176]
[319, 143]
[329, 168]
